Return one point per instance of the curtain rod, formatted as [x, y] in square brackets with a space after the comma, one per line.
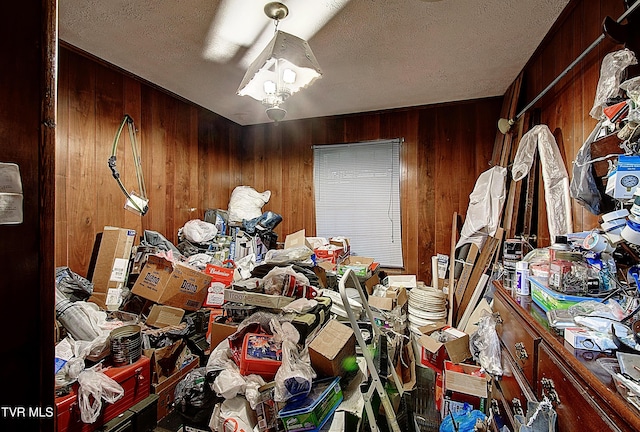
[504, 125]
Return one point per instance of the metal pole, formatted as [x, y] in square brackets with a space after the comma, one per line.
[575, 62]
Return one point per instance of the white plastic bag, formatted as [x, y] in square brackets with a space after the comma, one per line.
[199, 231]
[233, 415]
[94, 387]
[613, 65]
[246, 203]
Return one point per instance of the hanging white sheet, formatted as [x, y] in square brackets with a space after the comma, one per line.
[485, 205]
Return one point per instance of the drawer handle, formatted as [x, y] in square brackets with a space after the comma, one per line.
[521, 351]
[495, 409]
[549, 390]
[517, 407]
[498, 318]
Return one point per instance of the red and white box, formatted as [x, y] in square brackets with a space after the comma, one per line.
[221, 278]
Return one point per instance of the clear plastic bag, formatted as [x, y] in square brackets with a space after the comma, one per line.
[295, 375]
[95, 386]
[611, 70]
[485, 345]
[286, 256]
[273, 281]
[583, 185]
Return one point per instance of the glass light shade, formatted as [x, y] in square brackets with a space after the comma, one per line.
[285, 54]
[269, 87]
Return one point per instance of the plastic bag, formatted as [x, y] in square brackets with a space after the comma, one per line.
[611, 70]
[233, 415]
[485, 345]
[274, 280]
[246, 203]
[199, 231]
[265, 222]
[286, 256]
[295, 375]
[554, 175]
[541, 417]
[94, 387]
[465, 420]
[72, 285]
[193, 391]
[583, 186]
[485, 205]
[154, 238]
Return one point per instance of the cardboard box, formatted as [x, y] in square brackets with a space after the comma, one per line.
[342, 242]
[112, 265]
[219, 332]
[296, 239]
[585, 339]
[329, 253]
[363, 267]
[257, 299]
[167, 360]
[337, 250]
[622, 183]
[163, 316]
[394, 297]
[397, 281]
[465, 378]
[433, 353]
[221, 278]
[167, 387]
[333, 344]
[178, 285]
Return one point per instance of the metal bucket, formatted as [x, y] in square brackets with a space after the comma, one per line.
[126, 345]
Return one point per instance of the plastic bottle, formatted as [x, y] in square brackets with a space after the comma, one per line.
[522, 278]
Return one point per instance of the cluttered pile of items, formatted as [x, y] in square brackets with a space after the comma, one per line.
[231, 330]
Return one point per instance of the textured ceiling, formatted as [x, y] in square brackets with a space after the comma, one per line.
[374, 54]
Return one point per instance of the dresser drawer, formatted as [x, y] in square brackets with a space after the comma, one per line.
[511, 389]
[577, 410]
[518, 338]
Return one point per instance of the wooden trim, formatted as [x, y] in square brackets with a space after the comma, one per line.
[46, 168]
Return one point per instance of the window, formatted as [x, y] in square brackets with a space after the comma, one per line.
[357, 194]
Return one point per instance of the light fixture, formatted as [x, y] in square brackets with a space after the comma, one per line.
[285, 66]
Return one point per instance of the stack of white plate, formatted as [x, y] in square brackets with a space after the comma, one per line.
[427, 305]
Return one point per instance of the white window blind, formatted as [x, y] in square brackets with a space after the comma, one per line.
[357, 194]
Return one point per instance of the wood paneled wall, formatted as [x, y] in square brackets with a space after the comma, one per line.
[565, 108]
[192, 159]
[188, 157]
[445, 148]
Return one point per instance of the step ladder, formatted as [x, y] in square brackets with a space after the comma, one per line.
[350, 280]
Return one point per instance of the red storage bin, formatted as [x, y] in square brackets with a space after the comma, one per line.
[135, 379]
[261, 355]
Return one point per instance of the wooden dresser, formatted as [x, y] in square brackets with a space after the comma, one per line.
[537, 361]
